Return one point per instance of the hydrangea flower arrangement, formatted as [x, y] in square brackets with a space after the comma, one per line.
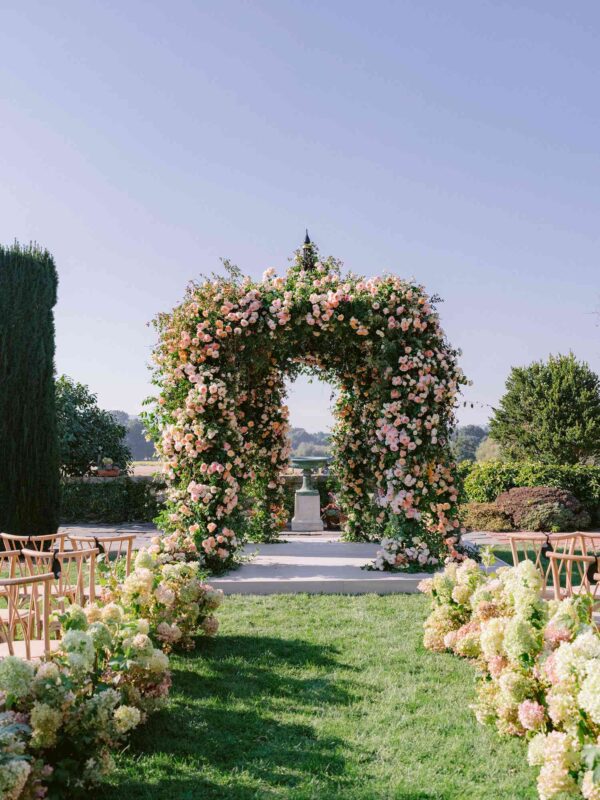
[540, 669]
[172, 597]
[60, 719]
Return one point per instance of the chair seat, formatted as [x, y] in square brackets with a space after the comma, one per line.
[36, 647]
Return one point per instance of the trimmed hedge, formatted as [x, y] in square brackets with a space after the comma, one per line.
[482, 483]
[110, 501]
[29, 459]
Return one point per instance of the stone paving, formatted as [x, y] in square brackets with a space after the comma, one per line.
[320, 564]
[312, 563]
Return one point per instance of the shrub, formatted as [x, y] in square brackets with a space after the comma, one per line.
[554, 518]
[483, 483]
[485, 517]
[550, 411]
[110, 501]
[86, 431]
[543, 508]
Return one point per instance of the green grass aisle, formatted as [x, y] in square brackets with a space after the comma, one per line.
[321, 697]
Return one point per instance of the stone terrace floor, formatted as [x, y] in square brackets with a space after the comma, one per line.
[313, 563]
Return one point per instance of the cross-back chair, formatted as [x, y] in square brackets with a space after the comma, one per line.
[46, 541]
[11, 566]
[570, 566]
[74, 573]
[31, 619]
[543, 549]
[113, 563]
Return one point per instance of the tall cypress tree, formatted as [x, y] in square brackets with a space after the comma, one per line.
[29, 460]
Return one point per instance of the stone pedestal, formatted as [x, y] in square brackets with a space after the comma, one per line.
[307, 511]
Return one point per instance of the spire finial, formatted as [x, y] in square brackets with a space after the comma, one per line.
[309, 257]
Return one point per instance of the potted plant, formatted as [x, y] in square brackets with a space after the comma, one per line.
[108, 469]
[332, 514]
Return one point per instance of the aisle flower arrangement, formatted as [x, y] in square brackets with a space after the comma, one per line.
[61, 719]
[221, 422]
[172, 597]
[539, 664]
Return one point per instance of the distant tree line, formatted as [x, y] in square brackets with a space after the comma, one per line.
[309, 444]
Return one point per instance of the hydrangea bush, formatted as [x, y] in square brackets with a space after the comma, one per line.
[539, 663]
[221, 422]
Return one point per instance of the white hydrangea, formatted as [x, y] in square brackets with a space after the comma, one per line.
[492, 637]
[589, 695]
[536, 749]
[144, 560]
[519, 639]
[571, 658]
[126, 718]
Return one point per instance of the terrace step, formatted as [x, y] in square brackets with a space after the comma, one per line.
[315, 565]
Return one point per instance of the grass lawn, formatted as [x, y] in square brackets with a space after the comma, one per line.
[328, 697]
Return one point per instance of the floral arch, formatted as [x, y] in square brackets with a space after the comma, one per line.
[221, 422]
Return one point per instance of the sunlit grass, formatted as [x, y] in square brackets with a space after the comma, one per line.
[326, 697]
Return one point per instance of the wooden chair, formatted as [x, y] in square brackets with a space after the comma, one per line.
[114, 556]
[571, 565]
[589, 543]
[11, 566]
[48, 541]
[529, 546]
[539, 546]
[27, 618]
[9, 560]
[74, 573]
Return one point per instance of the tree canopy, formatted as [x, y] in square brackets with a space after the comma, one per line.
[550, 412]
[466, 440]
[87, 433]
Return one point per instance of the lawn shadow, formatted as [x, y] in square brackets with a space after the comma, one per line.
[240, 666]
[230, 716]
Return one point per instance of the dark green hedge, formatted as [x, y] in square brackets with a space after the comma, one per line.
[29, 462]
[482, 483]
[111, 501]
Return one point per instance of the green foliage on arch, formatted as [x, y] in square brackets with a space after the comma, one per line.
[220, 420]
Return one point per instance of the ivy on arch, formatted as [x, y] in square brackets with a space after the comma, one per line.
[221, 422]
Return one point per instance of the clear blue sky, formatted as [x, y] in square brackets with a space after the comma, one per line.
[456, 142]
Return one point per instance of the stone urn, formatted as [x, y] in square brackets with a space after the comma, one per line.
[307, 504]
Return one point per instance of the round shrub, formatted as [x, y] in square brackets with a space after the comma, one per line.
[485, 517]
[554, 518]
[543, 508]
